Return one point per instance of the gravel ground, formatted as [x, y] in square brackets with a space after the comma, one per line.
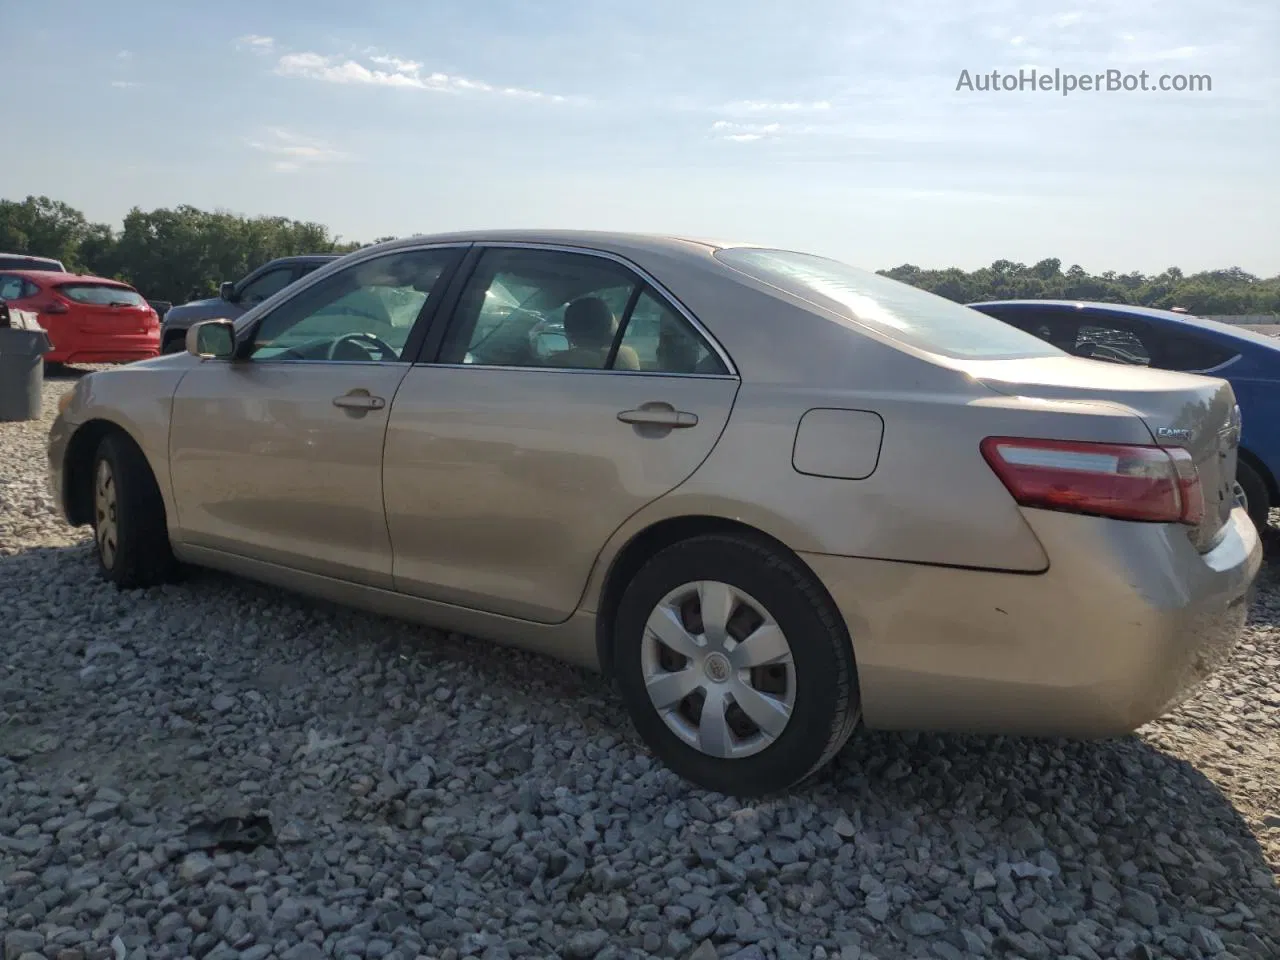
[433, 795]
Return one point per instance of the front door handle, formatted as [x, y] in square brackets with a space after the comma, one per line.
[659, 415]
[359, 400]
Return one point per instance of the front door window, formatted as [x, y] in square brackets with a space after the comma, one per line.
[364, 313]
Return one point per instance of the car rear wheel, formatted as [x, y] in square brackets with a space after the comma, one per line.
[735, 666]
[129, 530]
[1257, 497]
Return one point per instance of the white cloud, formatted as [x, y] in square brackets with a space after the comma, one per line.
[256, 43]
[745, 132]
[382, 70]
[124, 55]
[293, 151]
[777, 106]
[125, 84]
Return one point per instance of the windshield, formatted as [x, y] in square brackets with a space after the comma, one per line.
[101, 294]
[896, 310]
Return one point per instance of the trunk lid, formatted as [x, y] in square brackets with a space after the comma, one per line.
[103, 308]
[1184, 410]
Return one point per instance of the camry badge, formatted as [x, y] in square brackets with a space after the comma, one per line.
[1173, 433]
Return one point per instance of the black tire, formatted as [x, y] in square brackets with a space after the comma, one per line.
[1257, 497]
[139, 554]
[826, 704]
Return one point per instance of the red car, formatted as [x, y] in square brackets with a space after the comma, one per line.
[88, 319]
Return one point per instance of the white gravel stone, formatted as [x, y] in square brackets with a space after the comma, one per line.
[434, 795]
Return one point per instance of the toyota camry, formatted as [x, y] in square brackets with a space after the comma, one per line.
[773, 497]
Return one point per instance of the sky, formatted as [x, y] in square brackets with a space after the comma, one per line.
[833, 126]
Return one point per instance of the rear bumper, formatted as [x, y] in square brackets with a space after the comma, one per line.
[1127, 621]
[83, 348]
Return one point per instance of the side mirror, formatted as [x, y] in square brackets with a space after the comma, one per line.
[212, 340]
[227, 291]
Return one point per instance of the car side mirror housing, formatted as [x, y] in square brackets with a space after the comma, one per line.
[227, 291]
[212, 340]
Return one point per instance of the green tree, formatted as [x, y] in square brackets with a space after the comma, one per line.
[174, 254]
[42, 227]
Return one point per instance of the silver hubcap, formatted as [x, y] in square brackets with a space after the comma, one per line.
[718, 669]
[104, 513]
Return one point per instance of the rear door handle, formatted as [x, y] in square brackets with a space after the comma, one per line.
[359, 401]
[659, 415]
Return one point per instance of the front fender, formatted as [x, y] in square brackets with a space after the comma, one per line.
[136, 399]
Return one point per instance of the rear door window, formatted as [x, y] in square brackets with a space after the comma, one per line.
[1115, 341]
[662, 341]
[540, 308]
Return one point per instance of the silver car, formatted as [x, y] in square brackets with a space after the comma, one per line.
[772, 496]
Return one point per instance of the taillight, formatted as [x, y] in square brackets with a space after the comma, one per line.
[55, 306]
[1127, 482]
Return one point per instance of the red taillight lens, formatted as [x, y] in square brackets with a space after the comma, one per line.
[1127, 482]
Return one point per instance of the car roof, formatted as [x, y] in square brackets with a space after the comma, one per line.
[1099, 309]
[606, 241]
[53, 277]
[303, 258]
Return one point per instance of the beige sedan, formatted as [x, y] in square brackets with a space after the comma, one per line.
[770, 495]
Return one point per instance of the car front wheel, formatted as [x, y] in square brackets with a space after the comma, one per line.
[735, 666]
[129, 529]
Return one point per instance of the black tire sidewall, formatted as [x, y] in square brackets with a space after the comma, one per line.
[1255, 490]
[813, 631]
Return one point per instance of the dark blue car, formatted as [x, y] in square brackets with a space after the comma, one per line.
[1249, 361]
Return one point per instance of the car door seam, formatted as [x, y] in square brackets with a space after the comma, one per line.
[580, 606]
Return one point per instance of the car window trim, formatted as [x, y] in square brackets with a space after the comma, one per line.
[1217, 367]
[661, 293]
[417, 333]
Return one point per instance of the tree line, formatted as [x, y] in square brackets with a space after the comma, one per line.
[181, 253]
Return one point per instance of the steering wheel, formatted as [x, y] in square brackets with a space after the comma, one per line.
[365, 341]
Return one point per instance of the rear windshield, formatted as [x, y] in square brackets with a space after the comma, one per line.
[26, 263]
[896, 310]
[101, 294]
